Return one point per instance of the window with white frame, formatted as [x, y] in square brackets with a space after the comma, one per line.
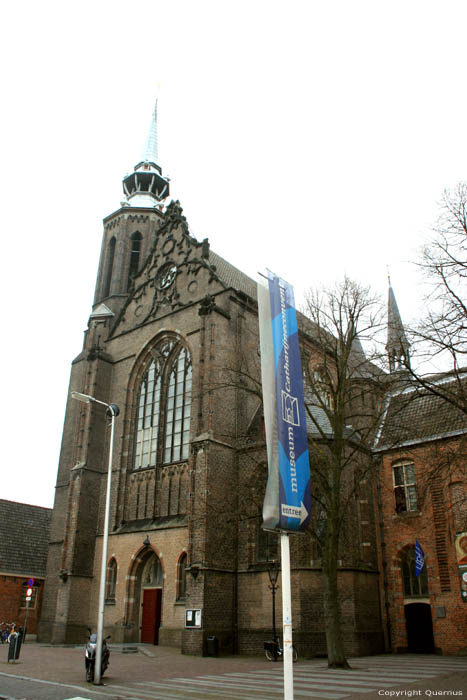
[405, 487]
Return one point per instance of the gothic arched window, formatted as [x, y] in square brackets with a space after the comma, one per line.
[111, 581]
[164, 407]
[135, 252]
[109, 266]
[181, 576]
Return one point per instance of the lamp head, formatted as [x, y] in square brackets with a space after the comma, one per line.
[82, 397]
[273, 572]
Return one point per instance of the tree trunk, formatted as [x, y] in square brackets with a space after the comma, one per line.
[332, 609]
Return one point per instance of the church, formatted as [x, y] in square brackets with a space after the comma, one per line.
[173, 340]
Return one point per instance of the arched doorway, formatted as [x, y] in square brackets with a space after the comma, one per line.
[151, 593]
[419, 627]
[145, 586]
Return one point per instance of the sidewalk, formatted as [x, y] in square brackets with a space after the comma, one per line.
[399, 676]
[150, 663]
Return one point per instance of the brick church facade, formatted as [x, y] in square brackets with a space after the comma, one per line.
[173, 341]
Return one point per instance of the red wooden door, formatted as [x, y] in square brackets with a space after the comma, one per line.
[151, 615]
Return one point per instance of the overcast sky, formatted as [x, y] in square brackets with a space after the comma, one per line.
[312, 138]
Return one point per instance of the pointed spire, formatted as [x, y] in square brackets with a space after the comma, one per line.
[146, 186]
[397, 345]
[150, 154]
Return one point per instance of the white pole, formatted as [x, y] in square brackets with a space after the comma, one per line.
[100, 614]
[287, 617]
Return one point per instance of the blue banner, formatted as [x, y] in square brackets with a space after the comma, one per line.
[419, 558]
[287, 502]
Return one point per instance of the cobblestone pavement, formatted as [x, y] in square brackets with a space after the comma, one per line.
[157, 673]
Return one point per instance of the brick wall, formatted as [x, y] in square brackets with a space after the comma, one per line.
[434, 525]
[11, 591]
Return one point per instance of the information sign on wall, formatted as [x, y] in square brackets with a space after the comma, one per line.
[193, 618]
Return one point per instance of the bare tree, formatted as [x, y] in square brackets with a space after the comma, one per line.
[344, 392]
[441, 337]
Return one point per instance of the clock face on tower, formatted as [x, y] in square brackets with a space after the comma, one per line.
[165, 276]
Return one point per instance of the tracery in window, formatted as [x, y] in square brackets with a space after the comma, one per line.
[177, 423]
[164, 407]
[405, 487]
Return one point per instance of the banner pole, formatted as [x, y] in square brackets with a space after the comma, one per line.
[286, 617]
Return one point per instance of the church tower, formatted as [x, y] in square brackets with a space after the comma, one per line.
[397, 346]
[129, 231]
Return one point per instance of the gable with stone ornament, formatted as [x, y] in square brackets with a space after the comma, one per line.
[176, 274]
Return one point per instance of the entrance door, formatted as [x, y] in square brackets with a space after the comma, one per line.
[151, 620]
[419, 627]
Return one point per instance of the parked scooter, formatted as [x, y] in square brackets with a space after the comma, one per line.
[90, 656]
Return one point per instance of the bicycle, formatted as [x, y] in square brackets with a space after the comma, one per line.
[274, 651]
[5, 629]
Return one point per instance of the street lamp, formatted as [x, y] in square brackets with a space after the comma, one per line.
[273, 573]
[112, 411]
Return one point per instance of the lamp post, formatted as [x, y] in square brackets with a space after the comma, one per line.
[273, 573]
[112, 411]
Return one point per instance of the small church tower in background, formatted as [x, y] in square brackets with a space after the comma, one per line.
[397, 346]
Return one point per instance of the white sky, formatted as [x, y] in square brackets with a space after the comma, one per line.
[313, 138]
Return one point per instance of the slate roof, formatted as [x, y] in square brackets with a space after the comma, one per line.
[319, 415]
[24, 538]
[232, 276]
[416, 416]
